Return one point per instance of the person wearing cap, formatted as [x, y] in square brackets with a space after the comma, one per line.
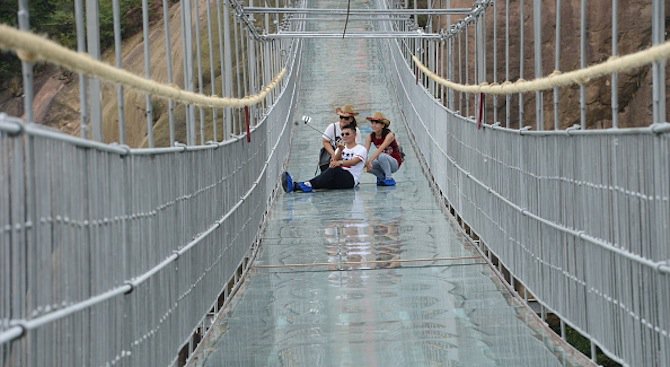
[343, 172]
[332, 135]
[388, 157]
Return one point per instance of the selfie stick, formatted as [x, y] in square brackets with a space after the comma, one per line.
[306, 120]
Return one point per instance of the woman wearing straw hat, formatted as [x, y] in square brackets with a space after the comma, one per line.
[333, 134]
[388, 157]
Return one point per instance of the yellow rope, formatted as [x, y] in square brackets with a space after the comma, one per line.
[558, 79]
[33, 48]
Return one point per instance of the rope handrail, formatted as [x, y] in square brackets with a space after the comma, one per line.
[557, 78]
[30, 47]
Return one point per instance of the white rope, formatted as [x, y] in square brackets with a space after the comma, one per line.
[558, 79]
[33, 48]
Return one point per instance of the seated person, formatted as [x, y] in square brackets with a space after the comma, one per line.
[344, 171]
[388, 157]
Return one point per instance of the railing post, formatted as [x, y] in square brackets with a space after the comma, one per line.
[522, 44]
[212, 75]
[508, 98]
[557, 64]
[83, 79]
[118, 57]
[481, 61]
[147, 72]
[227, 78]
[495, 60]
[537, 36]
[658, 69]
[94, 90]
[614, 89]
[582, 63]
[170, 71]
[26, 67]
[188, 67]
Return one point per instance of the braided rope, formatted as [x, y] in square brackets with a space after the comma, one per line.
[30, 47]
[558, 79]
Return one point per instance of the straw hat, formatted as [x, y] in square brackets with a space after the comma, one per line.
[347, 110]
[378, 116]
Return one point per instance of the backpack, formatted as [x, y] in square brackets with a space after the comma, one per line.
[324, 156]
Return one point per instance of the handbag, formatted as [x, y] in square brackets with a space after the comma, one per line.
[324, 156]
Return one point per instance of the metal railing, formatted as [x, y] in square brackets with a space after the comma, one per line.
[575, 217]
[570, 201]
[111, 254]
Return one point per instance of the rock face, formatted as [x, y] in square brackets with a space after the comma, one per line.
[634, 90]
[634, 34]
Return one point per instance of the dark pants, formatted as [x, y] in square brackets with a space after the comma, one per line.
[333, 178]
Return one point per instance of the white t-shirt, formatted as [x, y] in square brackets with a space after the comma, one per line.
[336, 136]
[355, 170]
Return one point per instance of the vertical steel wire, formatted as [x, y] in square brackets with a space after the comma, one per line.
[195, 21]
[212, 75]
[170, 68]
[221, 31]
[147, 72]
[658, 67]
[614, 88]
[495, 59]
[508, 98]
[83, 79]
[537, 42]
[557, 65]
[522, 59]
[582, 62]
[93, 50]
[187, 39]
[118, 62]
[26, 67]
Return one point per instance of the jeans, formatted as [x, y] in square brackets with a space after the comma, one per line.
[384, 166]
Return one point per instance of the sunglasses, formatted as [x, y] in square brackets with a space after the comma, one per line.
[345, 117]
[377, 121]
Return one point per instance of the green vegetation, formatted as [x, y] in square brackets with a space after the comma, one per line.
[56, 18]
[581, 343]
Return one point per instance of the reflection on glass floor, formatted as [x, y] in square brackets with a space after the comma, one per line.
[360, 302]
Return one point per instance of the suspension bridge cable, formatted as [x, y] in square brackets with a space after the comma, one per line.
[557, 78]
[32, 48]
[346, 20]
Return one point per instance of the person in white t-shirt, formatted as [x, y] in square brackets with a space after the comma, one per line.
[331, 136]
[344, 171]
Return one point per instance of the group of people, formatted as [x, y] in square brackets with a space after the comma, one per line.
[349, 158]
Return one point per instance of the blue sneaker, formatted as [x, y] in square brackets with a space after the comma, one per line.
[287, 182]
[388, 182]
[304, 186]
[380, 181]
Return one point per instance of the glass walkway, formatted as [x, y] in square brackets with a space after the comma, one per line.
[376, 276]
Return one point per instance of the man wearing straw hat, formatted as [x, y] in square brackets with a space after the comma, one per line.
[388, 157]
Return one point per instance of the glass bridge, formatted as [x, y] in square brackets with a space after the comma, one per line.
[142, 221]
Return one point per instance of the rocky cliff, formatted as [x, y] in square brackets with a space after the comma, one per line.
[634, 88]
